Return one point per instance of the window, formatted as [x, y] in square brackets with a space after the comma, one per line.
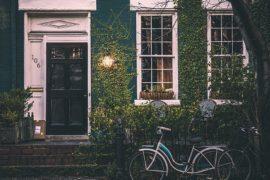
[157, 53]
[226, 49]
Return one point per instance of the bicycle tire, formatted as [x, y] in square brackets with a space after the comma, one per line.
[240, 167]
[137, 167]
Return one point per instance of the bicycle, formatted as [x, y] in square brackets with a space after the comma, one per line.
[241, 168]
[153, 162]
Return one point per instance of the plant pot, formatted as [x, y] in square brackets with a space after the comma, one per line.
[9, 134]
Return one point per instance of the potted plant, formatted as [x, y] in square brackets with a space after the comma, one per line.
[157, 94]
[13, 106]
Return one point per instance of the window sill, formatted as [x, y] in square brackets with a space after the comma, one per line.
[227, 102]
[169, 102]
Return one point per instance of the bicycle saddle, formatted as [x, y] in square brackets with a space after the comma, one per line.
[195, 140]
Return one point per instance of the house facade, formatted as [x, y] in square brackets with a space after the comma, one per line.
[47, 46]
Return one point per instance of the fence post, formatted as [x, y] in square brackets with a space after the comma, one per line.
[120, 150]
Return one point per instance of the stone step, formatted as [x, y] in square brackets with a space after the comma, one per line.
[37, 150]
[37, 160]
[55, 170]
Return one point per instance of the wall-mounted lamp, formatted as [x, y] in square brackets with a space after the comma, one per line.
[108, 61]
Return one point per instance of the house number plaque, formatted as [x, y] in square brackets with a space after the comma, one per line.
[36, 61]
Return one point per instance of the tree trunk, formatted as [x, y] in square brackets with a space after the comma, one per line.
[258, 50]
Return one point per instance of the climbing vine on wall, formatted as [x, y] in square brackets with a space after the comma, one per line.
[111, 85]
[192, 51]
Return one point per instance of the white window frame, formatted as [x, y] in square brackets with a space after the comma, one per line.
[174, 55]
[209, 42]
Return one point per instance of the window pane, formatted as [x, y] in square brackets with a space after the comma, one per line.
[146, 63]
[216, 48]
[237, 35]
[146, 21]
[156, 48]
[216, 63]
[235, 24]
[168, 86]
[156, 35]
[146, 86]
[226, 35]
[157, 63]
[146, 48]
[146, 76]
[146, 35]
[58, 76]
[216, 35]
[156, 86]
[156, 21]
[167, 21]
[167, 76]
[167, 35]
[157, 76]
[238, 47]
[226, 48]
[167, 63]
[167, 48]
[216, 21]
[226, 21]
[226, 62]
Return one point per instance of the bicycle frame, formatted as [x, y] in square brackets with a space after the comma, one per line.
[184, 167]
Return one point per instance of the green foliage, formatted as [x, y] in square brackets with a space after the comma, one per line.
[111, 84]
[13, 105]
[192, 51]
[233, 81]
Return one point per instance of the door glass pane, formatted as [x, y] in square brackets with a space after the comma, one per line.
[58, 76]
[75, 53]
[57, 53]
[75, 76]
[58, 111]
[76, 111]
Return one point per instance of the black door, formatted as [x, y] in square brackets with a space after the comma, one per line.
[66, 89]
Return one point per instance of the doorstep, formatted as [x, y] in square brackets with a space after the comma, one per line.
[66, 138]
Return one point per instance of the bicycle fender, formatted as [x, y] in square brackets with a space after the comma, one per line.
[159, 154]
[206, 149]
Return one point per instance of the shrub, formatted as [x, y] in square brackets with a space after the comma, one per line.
[13, 105]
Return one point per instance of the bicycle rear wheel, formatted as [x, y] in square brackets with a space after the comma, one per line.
[139, 163]
[239, 167]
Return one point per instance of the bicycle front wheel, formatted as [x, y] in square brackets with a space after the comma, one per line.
[146, 166]
[239, 166]
[204, 165]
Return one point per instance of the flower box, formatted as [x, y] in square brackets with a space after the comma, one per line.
[155, 95]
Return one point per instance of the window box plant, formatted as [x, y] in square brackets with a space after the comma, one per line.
[157, 94]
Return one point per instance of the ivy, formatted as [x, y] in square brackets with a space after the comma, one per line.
[192, 51]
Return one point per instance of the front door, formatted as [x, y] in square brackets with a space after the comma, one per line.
[66, 89]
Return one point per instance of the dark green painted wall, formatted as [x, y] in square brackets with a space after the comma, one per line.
[106, 10]
[11, 45]
[5, 46]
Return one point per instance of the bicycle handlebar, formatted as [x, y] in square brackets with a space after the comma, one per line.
[250, 130]
[164, 128]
